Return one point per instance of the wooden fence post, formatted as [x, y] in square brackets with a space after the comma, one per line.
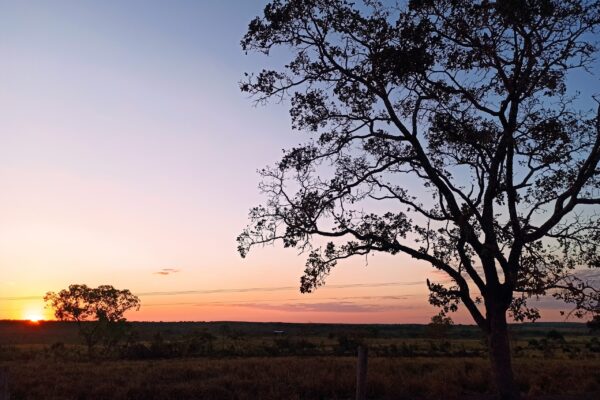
[4, 384]
[361, 373]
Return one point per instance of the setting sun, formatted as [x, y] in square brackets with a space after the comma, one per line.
[33, 317]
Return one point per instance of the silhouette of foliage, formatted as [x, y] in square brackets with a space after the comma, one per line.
[444, 130]
[99, 312]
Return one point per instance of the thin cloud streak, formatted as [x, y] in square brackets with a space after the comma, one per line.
[228, 303]
[21, 298]
[246, 290]
[166, 271]
[335, 307]
[280, 288]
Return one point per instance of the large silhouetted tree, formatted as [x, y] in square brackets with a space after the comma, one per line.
[99, 312]
[442, 129]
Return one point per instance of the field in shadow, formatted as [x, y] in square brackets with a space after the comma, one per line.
[293, 378]
[292, 361]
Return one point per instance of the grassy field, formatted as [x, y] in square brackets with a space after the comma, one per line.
[292, 378]
[250, 361]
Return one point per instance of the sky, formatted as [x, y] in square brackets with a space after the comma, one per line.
[128, 157]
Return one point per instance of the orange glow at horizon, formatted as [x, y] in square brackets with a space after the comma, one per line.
[398, 302]
[33, 317]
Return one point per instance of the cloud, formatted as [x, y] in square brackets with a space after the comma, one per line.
[166, 271]
[589, 275]
[333, 306]
[548, 303]
[241, 303]
[245, 290]
[21, 298]
[277, 288]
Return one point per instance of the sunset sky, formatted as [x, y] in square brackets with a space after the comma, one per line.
[128, 157]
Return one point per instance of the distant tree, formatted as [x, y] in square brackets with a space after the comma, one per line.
[444, 130]
[439, 326]
[99, 312]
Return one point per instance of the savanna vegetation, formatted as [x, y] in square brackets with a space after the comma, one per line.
[232, 360]
[98, 312]
[447, 131]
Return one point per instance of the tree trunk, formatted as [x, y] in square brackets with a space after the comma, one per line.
[500, 357]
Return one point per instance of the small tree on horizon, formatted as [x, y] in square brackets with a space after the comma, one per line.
[443, 130]
[439, 326]
[99, 312]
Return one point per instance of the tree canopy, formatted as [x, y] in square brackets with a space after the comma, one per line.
[82, 303]
[466, 99]
[99, 312]
[445, 130]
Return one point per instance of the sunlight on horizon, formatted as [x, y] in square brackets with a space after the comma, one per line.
[33, 316]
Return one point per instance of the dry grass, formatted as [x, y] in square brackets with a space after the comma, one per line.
[292, 378]
[309, 362]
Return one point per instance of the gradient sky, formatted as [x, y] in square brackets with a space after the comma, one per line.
[128, 157]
